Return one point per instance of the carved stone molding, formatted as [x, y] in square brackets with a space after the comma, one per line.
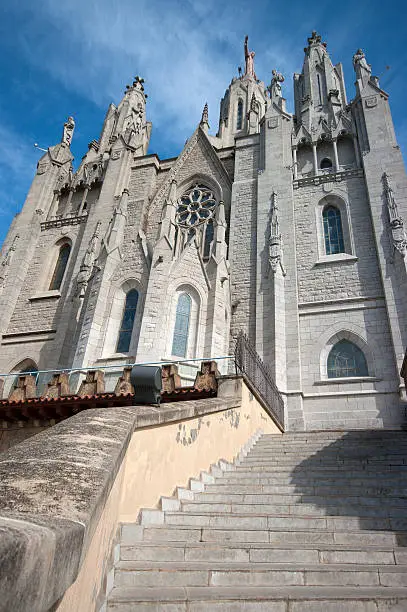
[62, 222]
[327, 178]
[275, 240]
[398, 234]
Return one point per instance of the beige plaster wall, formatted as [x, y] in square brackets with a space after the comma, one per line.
[160, 458]
[88, 591]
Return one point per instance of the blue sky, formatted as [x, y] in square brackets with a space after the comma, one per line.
[74, 57]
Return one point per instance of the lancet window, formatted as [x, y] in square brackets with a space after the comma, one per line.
[126, 327]
[333, 232]
[181, 328]
[60, 267]
[239, 118]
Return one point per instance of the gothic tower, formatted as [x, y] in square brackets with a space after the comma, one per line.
[287, 226]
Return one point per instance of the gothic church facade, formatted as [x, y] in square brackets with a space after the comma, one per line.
[286, 226]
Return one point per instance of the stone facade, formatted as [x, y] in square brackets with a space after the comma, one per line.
[231, 235]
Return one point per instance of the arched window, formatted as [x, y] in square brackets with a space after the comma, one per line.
[333, 233]
[126, 327]
[326, 163]
[60, 267]
[239, 119]
[181, 329]
[346, 359]
[208, 238]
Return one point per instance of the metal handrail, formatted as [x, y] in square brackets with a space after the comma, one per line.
[259, 377]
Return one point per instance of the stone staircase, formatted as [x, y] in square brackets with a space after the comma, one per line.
[307, 522]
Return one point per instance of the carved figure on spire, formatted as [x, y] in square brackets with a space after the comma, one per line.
[274, 88]
[249, 60]
[359, 59]
[67, 134]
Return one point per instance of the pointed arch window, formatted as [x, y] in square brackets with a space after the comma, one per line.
[181, 329]
[126, 327]
[60, 267]
[346, 359]
[239, 118]
[208, 239]
[333, 232]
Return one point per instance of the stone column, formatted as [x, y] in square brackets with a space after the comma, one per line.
[356, 149]
[53, 206]
[295, 163]
[314, 153]
[85, 195]
[336, 158]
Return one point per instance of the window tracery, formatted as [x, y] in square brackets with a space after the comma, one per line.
[196, 206]
[195, 218]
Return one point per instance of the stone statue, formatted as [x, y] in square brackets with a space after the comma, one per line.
[6, 261]
[249, 60]
[87, 264]
[69, 127]
[138, 118]
[360, 63]
[275, 88]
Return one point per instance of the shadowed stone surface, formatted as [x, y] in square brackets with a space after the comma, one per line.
[53, 489]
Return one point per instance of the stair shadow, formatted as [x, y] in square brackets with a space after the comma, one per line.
[359, 485]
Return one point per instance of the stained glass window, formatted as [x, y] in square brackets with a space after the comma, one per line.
[346, 359]
[333, 233]
[181, 329]
[239, 120]
[60, 267]
[196, 206]
[126, 328]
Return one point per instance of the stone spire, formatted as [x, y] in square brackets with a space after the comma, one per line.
[128, 120]
[205, 118]
[319, 90]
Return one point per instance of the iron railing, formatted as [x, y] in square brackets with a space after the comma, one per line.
[259, 378]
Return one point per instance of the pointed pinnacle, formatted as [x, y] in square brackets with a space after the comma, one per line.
[205, 114]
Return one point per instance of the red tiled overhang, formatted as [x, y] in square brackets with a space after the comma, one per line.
[46, 408]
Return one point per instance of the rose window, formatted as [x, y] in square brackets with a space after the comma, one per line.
[196, 206]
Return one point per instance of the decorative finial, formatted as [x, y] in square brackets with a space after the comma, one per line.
[239, 70]
[314, 39]
[205, 114]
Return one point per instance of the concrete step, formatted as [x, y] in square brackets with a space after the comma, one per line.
[258, 599]
[274, 522]
[284, 521]
[188, 534]
[304, 476]
[331, 498]
[314, 468]
[321, 461]
[264, 552]
[296, 509]
[313, 488]
[172, 574]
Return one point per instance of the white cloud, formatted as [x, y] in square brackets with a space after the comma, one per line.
[187, 51]
[17, 166]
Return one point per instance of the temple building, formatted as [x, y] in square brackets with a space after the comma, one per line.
[286, 226]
